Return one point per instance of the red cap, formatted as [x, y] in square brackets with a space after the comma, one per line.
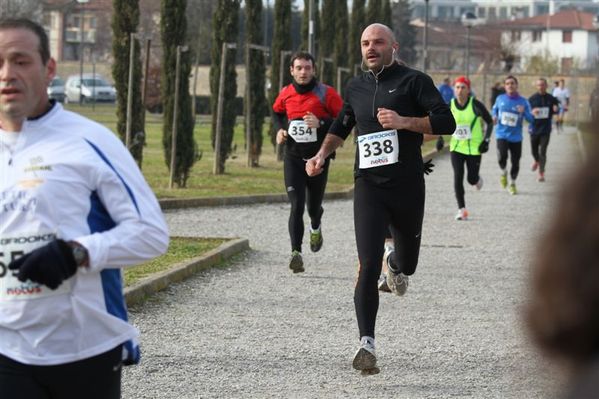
[462, 79]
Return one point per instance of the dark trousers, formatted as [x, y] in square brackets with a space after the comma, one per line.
[301, 190]
[539, 144]
[98, 377]
[472, 163]
[515, 152]
[401, 210]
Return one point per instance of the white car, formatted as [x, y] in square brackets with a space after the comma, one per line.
[94, 88]
[56, 89]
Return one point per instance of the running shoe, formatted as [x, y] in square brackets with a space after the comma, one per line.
[296, 264]
[397, 282]
[462, 214]
[541, 177]
[534, 166]
[315, 240]
[512, 189]
[479, 183]
[365, 357]
[382, 284]
[503, 181]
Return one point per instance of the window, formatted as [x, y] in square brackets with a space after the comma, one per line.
[516, 35]
[503, 12]
[482, 12]
[537, 35]
[567, 36]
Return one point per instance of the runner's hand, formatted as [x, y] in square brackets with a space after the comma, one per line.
[281, 136]
[483, 147]
[311, 120]
[314, 165]
[440, 143]
[49, 265]
[428, 167]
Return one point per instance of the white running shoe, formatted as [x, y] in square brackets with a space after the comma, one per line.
[365, 357]
[479, 183]
[397, 282]
[382, 283]
[462, 214]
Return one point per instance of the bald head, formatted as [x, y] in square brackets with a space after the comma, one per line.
[384, 30]
[378, 45]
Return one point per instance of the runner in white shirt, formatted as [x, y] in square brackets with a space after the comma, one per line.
[562, 94]
[74, 210]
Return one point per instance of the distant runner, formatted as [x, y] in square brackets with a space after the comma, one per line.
[509, 112]
[468, 142]
[303, 113]
[544, 106]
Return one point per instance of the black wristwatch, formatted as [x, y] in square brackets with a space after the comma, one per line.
[79, 253]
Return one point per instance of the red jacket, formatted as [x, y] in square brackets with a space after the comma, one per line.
[323, 101]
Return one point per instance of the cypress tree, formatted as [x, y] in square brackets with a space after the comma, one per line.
[306, 26]
[405, 33]
[358, 23]
[281, 41]
[386, 17]
[327, 40]
[341, 32]
[124, 23]
[173, 28]
[373, 11]
[224, 30]
[257, 70]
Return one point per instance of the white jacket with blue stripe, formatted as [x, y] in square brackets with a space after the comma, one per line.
[65, 176]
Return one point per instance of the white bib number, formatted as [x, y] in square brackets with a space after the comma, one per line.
[300, 132]
[462, 132]
[542, 113]
[509, 119]
[378, 149]
[13, 247]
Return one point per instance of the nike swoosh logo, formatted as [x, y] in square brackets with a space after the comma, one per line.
[391, 91]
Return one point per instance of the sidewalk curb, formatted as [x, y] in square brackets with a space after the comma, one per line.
[149, 285]
[183, 203]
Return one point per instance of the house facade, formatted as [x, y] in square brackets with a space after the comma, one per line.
[78, 28]
[568, 37]
[498, 10]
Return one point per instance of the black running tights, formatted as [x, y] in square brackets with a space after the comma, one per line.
[515, 150]
[538, 144]
[98, 377]
[472, 165]
[376, 208]
[302, 189]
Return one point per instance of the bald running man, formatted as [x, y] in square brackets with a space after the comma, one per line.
[392, 106]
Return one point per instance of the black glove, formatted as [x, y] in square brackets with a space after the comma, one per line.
[49, 265]
[483, 147]
[440, 143]
[428, 167]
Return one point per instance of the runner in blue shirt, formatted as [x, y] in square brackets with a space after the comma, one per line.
[509, 112]
[446, 90]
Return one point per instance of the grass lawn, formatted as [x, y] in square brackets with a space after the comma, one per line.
[238, 178]
[179, 249]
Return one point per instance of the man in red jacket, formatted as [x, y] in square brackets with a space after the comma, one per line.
[303, 112]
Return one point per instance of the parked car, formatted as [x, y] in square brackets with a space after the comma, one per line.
[93, 88]
[56, 89]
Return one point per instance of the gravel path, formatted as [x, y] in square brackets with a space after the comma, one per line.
[254, 330]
